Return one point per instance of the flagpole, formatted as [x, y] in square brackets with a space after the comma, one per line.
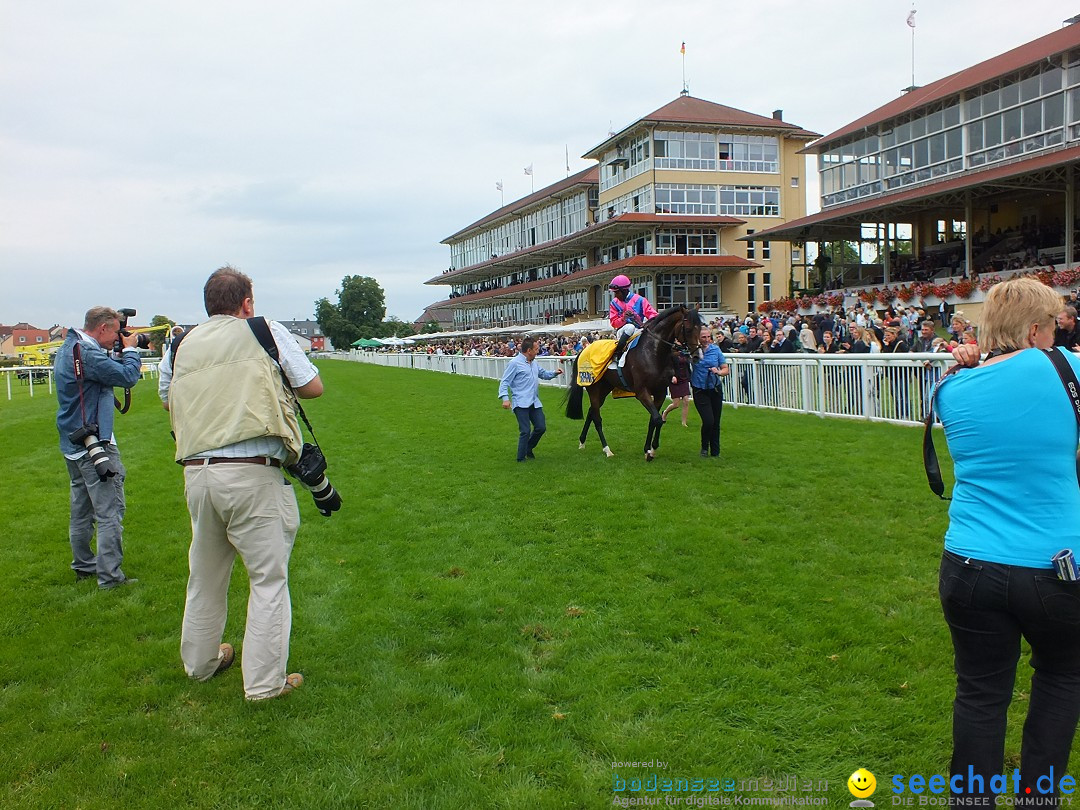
[912, 56]
[685, 89]
[911, 25]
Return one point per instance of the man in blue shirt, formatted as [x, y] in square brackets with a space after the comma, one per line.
[85, 422]
[521, 380]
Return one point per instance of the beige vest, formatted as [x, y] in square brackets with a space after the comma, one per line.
[225, 389]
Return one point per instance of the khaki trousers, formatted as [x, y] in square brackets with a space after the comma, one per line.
[249, 510]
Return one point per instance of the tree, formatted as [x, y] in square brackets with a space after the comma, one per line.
[395, 327]
[358, 313]
[158, 338]
[431, 327]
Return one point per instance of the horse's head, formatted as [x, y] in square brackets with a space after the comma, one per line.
[678, 323]
[688, 331]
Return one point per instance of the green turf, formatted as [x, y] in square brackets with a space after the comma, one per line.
[481, 633]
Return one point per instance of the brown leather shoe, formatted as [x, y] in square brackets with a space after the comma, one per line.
[228, 655]
[293, 681]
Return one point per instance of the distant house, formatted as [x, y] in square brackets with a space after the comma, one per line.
[302, 341]
[441, 313]
[22, 339]
[310, 331]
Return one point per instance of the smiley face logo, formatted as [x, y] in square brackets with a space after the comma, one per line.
[861, 783]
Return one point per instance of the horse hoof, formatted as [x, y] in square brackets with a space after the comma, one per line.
[649, 456]
[581, 446]
[608, 453]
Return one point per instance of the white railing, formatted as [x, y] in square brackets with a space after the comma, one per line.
[880, 387]
[38, 376]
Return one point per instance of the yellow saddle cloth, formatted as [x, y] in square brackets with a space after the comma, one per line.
[593, 362]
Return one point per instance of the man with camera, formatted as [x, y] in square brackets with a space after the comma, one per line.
[235, 422]
[85, 372]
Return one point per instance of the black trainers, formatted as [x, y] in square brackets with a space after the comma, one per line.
[118, 583]
[82, 576]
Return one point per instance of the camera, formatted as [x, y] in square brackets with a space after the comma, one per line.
[309, 471]
[142, 340]
[88, 438]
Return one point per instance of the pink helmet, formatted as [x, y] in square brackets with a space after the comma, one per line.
[619, 283]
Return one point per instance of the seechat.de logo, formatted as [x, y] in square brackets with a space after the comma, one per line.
[862, 785]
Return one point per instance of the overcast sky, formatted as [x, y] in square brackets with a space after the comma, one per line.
[143, 145]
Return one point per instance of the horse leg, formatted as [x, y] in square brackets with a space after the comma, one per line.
[656, 421]
[599, 422]
[597, 396]
[585, 430]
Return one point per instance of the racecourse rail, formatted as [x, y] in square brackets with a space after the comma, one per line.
[38, 379]
[879, 387]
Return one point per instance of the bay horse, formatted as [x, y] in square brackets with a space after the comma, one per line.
[647, 372]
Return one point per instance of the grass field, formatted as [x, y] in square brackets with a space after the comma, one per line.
[480, 633]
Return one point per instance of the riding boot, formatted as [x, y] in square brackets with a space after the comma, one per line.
[620, 346]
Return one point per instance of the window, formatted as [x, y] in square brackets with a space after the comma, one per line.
[751, 201]
[749, 245]
[751, 290]
[685, 198]
[766, 286]
[766, 254]
[685, 150]
[687, 242]
[749, 153]
[794, 182]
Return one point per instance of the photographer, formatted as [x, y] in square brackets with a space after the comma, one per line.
[1012, 433]
[235, 423]
[85, 374]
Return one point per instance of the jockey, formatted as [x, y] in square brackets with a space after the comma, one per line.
[628, 312]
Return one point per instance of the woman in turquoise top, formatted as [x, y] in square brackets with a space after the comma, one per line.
[1012, 434]
[708, 398]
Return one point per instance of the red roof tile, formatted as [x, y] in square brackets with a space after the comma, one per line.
[690, 110]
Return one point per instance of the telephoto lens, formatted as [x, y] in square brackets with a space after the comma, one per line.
[308, 470]
[87, 436]
[326, 497]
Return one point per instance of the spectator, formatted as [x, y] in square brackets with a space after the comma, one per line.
[1006, 520]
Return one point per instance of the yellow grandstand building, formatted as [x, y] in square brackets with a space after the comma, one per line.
[665, 205]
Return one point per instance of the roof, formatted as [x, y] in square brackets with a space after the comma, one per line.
[818, 225]
[649, 262]
[690, 110]
[1009, 62]
[595, 235]
[590, 176]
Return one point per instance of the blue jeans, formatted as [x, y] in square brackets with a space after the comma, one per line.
[988, 607]
[100, 503]
[529, 437]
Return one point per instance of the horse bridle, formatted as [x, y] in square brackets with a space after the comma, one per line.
[682, 329]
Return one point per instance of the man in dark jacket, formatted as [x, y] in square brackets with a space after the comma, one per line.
[1067, 334]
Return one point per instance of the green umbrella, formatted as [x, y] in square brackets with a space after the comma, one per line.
[367, 343]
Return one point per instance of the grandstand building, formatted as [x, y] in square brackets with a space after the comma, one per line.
[670, 195]
[976, 170]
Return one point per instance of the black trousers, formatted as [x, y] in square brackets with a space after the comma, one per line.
[709, 403]
[989, 607]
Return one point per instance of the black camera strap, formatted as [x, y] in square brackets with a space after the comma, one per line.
[929, 454]
[261, 329]
[1072, 388]
[930, 460]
